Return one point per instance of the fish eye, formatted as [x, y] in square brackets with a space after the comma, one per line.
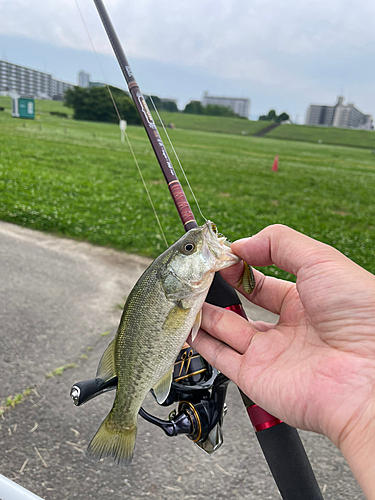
[188, 247]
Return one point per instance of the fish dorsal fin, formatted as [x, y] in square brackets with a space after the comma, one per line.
[162, 388]
[197, 324]
[106, 368]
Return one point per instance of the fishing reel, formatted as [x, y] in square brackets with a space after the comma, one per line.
[199, 391]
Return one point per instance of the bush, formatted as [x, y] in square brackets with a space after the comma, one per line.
[95, 104]
[59, 113]
[196, 108]
[272, 117]
[162, 104]
[215, 110]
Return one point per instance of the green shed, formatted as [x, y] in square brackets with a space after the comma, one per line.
[23, 107]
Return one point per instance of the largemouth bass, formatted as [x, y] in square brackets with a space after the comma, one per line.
[161, 310]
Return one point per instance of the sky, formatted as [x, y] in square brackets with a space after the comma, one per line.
[282, 55]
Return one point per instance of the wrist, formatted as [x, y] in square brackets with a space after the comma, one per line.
[358, 448]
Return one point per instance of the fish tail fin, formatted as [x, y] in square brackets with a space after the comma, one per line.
[114, 441]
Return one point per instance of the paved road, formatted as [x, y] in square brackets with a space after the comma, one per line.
[57, 298]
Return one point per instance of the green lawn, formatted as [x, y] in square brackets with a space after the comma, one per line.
[219, 124]
[77, 179]
[328, 135]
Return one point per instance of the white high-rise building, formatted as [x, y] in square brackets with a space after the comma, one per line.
[239, 105]
[83, 79]
[340, 115]
[15, 79]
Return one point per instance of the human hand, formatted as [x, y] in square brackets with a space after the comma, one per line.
[315, 368]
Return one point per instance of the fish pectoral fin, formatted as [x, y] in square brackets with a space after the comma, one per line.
[197, 324]
[162, 388]
[175, 319]
[106, 368]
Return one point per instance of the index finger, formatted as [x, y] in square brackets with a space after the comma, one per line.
[286, 248]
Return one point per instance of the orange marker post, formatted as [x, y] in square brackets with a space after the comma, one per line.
[275, 165]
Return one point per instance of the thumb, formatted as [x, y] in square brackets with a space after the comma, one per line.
[286, 248]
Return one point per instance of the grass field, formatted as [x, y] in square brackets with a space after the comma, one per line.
[219, 124]
[328, 135]
[77, 179]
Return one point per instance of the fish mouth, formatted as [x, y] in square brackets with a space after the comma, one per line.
[218, 245]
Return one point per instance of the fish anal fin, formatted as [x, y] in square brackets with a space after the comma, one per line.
[107, 369]
[197, 324]
[162, 388]
[111, 440]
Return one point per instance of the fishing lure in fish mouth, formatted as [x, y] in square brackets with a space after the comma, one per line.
[247, 279]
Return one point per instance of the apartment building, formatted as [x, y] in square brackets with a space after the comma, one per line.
[240, 106]
[339, 115]
[29, 82]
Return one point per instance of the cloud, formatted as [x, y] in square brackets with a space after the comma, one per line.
[299, 45]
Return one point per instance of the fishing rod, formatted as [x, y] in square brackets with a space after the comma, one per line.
[196, 385]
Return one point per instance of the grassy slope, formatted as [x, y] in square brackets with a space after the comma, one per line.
[41, 107]
[77, 179]
[218, 124]
[340, 136]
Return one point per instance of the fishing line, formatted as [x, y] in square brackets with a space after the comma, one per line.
[120, 119]
[177, 158]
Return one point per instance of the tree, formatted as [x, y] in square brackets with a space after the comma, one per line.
[194, 108]
[170, 106]
[272, 117]
[96, 104]
[283, 117]
[215, 110]
[162, 104]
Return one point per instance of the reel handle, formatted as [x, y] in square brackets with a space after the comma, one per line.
[182, 423]
[81, 392]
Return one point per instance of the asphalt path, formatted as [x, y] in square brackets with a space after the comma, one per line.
[58, 301]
